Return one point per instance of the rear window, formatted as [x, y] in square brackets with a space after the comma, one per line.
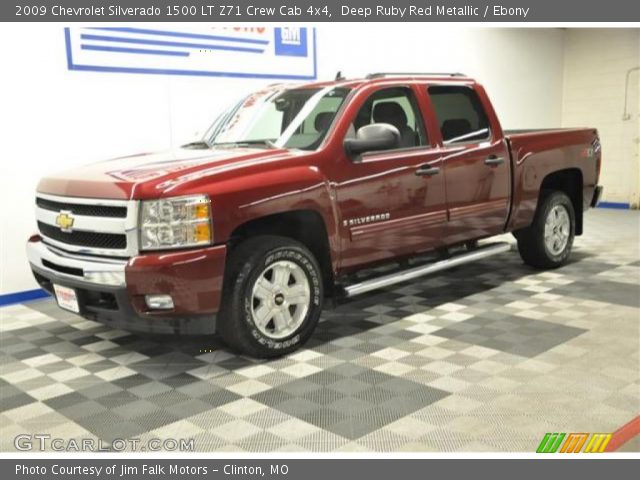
[459, 113]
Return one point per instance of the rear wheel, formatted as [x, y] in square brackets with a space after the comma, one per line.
[272, 297]
[547, 242]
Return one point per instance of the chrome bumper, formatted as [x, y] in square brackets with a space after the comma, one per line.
[74, 267]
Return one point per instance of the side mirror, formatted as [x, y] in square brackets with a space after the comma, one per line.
[377, 136]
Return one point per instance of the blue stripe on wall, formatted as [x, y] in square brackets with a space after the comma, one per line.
[19, 297]
[142, 51]
[616, 205]
[182, 34]
[163, 43]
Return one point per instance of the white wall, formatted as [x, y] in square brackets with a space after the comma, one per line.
[596, 61]
[53, 119]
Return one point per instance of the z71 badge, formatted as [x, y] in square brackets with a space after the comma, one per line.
[367, 219]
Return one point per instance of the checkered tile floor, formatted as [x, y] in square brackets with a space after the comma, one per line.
[486, 357]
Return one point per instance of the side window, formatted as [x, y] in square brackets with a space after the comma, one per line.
[460, 114]
[398, 107]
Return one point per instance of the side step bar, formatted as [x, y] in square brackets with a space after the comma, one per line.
[416, 272]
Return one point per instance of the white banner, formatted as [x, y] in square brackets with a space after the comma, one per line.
[287, 52]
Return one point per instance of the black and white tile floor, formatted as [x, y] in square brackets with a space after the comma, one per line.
[486, 357]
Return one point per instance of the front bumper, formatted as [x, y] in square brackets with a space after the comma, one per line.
[112, 291]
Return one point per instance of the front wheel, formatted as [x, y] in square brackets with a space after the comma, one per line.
[272, 298]
[547, 242]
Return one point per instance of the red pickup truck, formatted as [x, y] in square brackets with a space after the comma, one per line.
[294, 189]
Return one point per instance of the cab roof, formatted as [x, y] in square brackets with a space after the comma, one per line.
[384, 77]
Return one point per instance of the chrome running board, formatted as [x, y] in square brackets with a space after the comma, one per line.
[478, 253]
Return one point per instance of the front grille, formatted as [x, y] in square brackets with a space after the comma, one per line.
[84, 239]
[83, 209]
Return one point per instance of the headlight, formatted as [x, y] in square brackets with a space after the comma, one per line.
[175, 222]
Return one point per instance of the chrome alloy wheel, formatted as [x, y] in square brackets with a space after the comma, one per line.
[557, 229]
[280, 299]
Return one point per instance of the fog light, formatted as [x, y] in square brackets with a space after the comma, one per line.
[159, 302]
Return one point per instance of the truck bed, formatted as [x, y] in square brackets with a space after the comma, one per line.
[536, 153]
[519, 131]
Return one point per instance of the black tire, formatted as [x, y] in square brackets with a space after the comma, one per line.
[246, 265]
[531, 240]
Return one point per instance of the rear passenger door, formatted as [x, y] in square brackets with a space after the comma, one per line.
[475, 162]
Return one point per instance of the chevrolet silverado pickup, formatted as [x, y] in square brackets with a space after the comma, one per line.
[296, 190]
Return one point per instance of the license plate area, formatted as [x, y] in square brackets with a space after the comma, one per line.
[67, 298]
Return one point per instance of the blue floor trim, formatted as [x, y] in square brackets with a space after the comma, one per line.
[19, 297]
[616, 205]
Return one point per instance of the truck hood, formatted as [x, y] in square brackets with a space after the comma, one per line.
[136, 175]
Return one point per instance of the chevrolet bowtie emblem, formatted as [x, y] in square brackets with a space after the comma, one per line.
[65, 221]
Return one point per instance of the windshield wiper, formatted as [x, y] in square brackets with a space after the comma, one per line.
[268, 142]
[197, 145]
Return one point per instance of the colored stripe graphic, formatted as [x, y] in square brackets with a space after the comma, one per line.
[550, 443]
[598, 443]
[624, 434]
[574, 443]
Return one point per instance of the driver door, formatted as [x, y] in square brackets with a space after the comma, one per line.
[392, 202]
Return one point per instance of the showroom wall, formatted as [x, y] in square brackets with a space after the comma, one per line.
[596, 64]
[53, 119]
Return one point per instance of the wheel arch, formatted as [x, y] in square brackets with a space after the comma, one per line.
[305, 225]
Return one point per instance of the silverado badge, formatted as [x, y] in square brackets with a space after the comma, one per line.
[65, 221]
[368, 219]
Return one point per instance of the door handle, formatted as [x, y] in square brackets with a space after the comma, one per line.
[427, 170]
[493, 160]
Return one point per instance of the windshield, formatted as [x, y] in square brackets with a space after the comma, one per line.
[291, 118]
